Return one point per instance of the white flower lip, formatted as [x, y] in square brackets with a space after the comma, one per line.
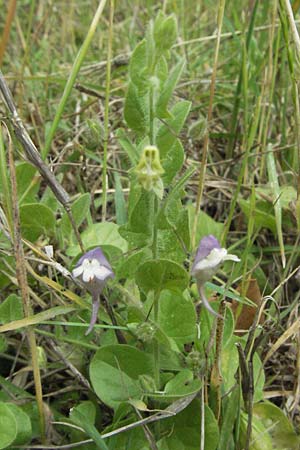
[90, 269]
[216, 257]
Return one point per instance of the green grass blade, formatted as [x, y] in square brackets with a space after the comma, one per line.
[71, 80]
[273, 180]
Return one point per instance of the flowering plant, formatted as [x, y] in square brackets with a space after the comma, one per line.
[94, 270]
[209, 258]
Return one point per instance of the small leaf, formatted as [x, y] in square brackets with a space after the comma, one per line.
[138, 67]
[121, 213]
[24, 430]
[167, 133]
[27, 182]
[167, 91]
[161, 274]
[98, 234]
[182, 384]
[115, 371]
[127, 146]
[8, 426]
[165, 32]
[177, 317]
[279, 427]
[173, 161]
[184, 429]
[11, 309]
[80, 209]
[262, 214]
[36, 219]
[89, 428]
[136, 110]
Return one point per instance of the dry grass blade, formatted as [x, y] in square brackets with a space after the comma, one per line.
[291, 331]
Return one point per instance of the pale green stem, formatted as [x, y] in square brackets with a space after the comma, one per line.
[106, 111]
[71, 80]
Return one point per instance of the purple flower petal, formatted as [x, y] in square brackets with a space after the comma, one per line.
[95, 253]
[206, 245]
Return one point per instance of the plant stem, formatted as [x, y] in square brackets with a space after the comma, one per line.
[156, 349]
[106, 110]
[22, 281]
[209, 117]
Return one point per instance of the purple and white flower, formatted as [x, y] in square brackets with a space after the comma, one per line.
[209, 257]
[93, 270]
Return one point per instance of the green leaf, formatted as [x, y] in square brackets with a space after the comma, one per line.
[138, 70]
[206, 225]
[161, 274]
[121, 213]
[281, 430]
[130, 265]
[27, 182]
[229, 364]
[138, 230]
[167, 91]
[80, 415]
[173, 162]
[260, 438]
[177, 317]
[115, 371]
[169, 245]
[105, 233]
[127, 146]
[24, 430]
[36, 219]
[273, 179]
[136, 110]
[11, 309]
[165, 32]
[8, 426]
[184, 429]
[263, 216]
[167, 133]
[80, 209]
[182, 384]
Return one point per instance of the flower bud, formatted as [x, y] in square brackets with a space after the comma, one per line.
[149, 170]
[145, 331]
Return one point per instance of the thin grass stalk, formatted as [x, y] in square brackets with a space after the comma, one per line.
[22, 281]
[294, 66]
[26, 49]
[71, 80]
[11, 9]
[270, 82]
[244, 145]
[106, 110]
[221, 9]
[237, 99]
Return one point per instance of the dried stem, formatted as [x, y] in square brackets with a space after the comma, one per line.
[22, 281]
